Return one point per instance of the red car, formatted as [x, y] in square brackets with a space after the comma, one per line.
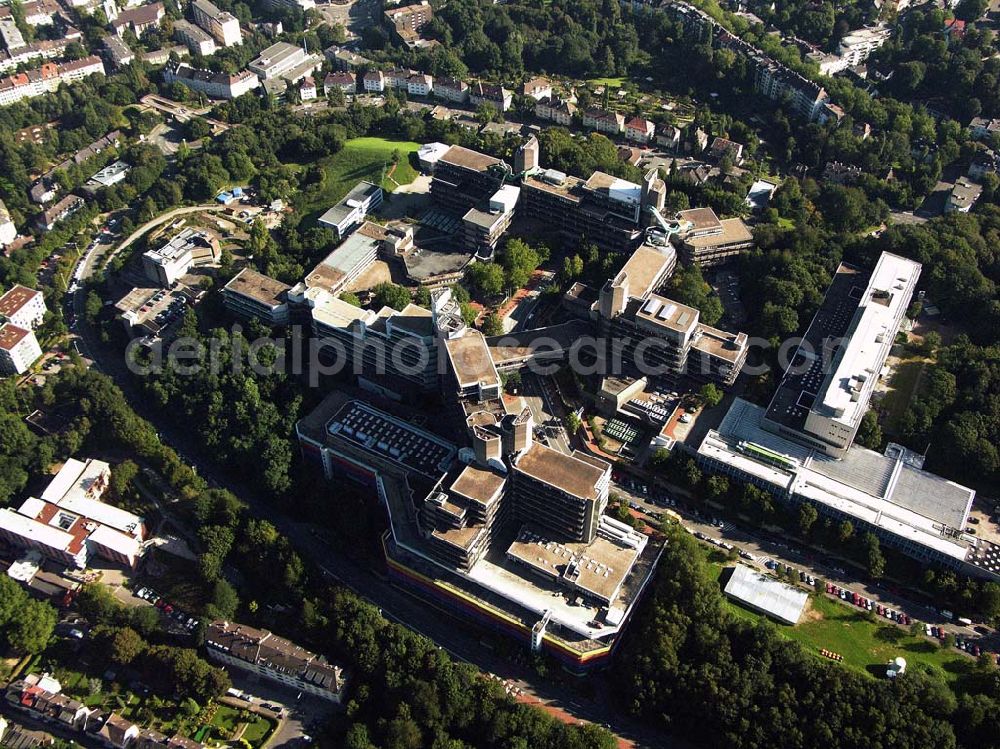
[880, 610]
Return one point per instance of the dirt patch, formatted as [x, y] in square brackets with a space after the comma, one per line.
[810, 614]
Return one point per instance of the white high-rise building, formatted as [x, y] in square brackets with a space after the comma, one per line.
[19, 349]
[8, 232]
[223, 26]
[23, 307]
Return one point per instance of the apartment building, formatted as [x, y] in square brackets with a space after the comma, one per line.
[408, 21]
[464, 178]
[307, 89]
[43, 49]
[342, 218]
[451, 89]
[373, 81]
[60, 211]
[118, 52]
[23, 307]
[856, 46]
[611, 123]
[19, 349]
[250, 294]
[537, 89]
[138, 20]
[213, 85]
[639, 130]
[69, 523]
[274, 658]
[224, 27]
[419, 84]
[342, 81]
[166, 264]
[488, 93]
[197, 40]
[708, 241]
[827, 387]
[962, 196]
[555, 109]
[47, 78]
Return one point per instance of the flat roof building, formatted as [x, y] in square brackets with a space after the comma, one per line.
[464, 178]
[250, 294]
[708, 241]
[763, 593]
[909, 509]
[168, 263]
[364, 198]
[69, 523]
[828, 384]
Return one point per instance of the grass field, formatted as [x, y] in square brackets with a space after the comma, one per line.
[866, 645]
[359, 159]
[902, 388]
[226, 720]
[609, 82]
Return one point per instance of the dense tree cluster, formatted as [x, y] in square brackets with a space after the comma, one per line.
[957, 74]
[25, 623]
[702, 673]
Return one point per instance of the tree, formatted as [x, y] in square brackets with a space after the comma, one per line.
[869, 432]
[874, 560]
[845, 530]
[711, 395]
[387, 294]
[492, 325]
[807, 517]
[126, 645]
[487, 279]
[122, 476]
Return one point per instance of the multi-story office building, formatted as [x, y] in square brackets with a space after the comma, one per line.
[464, 178]
[213, 85]
[707, 241]
[483, 227]
[284, 60]
[253, 295]
[274, 658]
[198, 41]
[407, 21]
[451, 524]
[166, 264]
[224, 27]
[565, 494]
[657, 336]
[19, 349]
[828, 384]
[23, 307]
[603, 209]
[906, 507]
[364, 198]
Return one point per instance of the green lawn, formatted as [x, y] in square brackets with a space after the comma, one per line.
[607, 82]
[360, 159]
[866, 645]
[902, 388]
[226, 719]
